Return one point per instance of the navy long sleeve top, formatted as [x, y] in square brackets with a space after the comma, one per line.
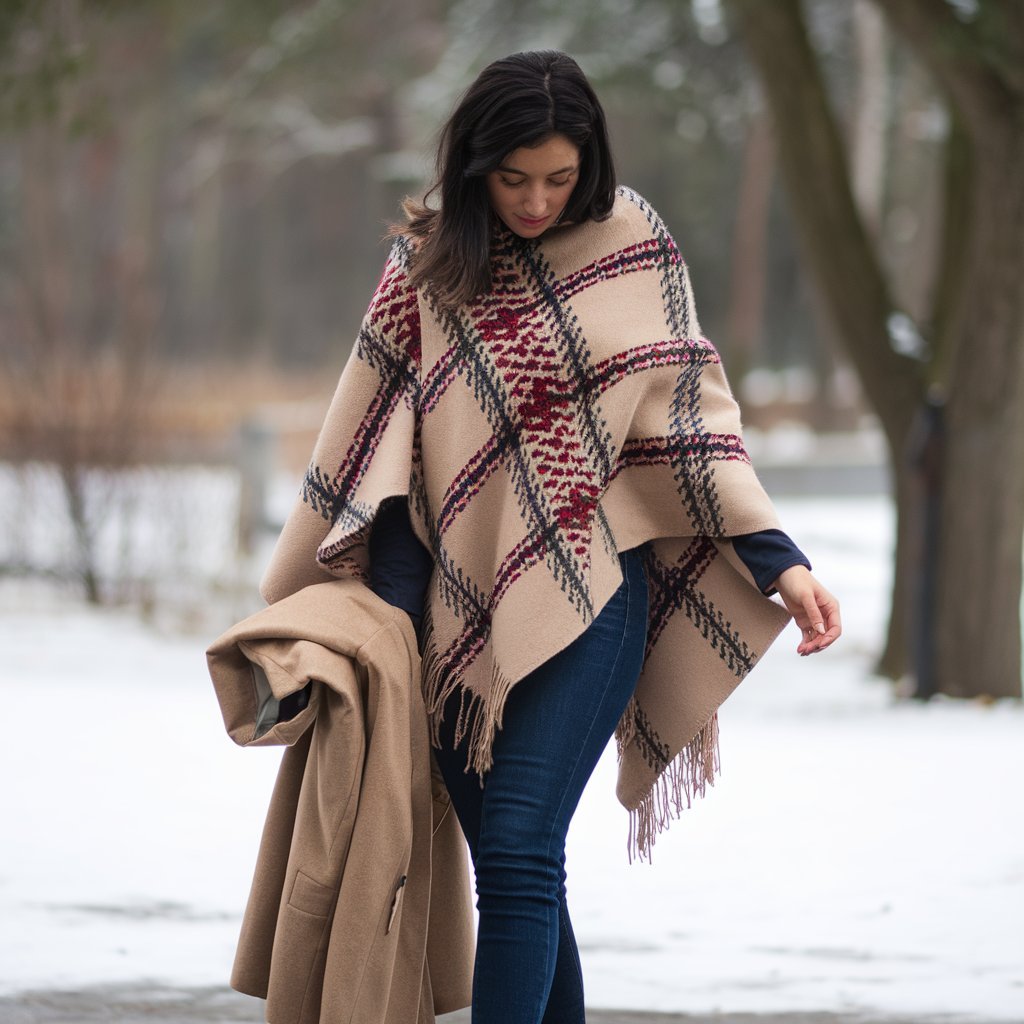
[400, 566]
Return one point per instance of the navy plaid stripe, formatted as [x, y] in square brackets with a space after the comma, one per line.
[672, 588]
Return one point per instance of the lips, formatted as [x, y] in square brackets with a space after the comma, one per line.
[531, 222]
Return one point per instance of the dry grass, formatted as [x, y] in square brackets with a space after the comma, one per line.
[190, 413]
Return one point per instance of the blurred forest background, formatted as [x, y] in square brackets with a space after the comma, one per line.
[194, 197]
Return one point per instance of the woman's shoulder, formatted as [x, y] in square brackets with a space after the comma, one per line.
[632, 220]
[394, 287]
[398, 264]
[630, 213]
[634, 210]
[403, 248]
[630, 202]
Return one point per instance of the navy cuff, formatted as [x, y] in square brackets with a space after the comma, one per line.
[766, 554]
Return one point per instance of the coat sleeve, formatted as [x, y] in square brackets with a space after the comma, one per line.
[367, 448]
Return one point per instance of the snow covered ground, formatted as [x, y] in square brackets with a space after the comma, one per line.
[856, 853]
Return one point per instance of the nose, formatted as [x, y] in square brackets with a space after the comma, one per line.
[535, 204]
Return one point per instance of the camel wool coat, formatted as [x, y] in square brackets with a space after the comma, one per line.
[360, 907]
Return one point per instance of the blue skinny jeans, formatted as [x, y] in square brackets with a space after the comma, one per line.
[557, 722]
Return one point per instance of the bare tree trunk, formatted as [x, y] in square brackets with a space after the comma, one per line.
[869, 114]
[915, 191]
[978, 612]
[750, 247]
[836, 248]
[957, 201]
[73, 479]
[980, 66]
[85, 315]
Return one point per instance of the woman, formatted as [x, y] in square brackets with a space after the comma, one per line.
[534, 452]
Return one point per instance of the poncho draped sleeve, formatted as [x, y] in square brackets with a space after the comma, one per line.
[367, 450]
[572, 412]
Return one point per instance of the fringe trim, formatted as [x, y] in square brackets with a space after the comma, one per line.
[685, 777]
[480, 714]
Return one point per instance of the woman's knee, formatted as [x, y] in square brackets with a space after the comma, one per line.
[520, 860]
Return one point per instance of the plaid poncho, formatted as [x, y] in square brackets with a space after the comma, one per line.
[572, 412]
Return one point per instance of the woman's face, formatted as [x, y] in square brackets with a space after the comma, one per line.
[530, 188]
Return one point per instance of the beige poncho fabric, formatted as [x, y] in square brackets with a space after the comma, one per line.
[571, 413]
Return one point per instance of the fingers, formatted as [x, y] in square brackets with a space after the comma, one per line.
[812, 642]
[815, 619]
[813, 608]
[819, 621]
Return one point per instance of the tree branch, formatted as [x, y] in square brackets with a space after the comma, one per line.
[950, 278]
[979, 65]
[835, 244]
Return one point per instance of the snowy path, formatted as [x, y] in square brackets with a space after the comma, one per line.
[854, 855]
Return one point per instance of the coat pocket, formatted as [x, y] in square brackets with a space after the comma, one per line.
[395, 901]
[309, 896]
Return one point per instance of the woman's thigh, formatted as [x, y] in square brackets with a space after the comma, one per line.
[557, 722]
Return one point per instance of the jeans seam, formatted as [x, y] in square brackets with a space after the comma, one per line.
[572, 945]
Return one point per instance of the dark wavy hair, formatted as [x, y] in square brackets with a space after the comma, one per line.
[518, 101]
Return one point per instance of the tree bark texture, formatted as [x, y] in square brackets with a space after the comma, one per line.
[980, 67]
[979, 616]
[749, 275]
[869, 117]
[978, 326]
[837, 250]
[829, 229]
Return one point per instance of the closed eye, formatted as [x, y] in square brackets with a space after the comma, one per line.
[522, 181]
